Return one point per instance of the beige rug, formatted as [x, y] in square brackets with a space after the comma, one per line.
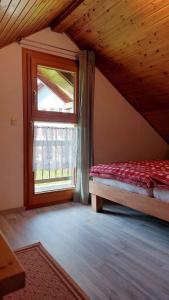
[45, 279]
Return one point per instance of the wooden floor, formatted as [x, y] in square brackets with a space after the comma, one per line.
[118, 254]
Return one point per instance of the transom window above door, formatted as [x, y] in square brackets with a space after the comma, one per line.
[55, 90]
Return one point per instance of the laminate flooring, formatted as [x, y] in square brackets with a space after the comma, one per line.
[117, 254]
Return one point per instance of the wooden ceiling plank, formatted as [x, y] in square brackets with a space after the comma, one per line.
[36, 19]
[28, 20]
[65, 19]
[104, 17]
[15, 28]
[148, 45]
[56, 11]
[49, 19]
[122, 46]
[142, 59]
[93, 14]
[112, 28]
[16, 14]
[9, 12]
[42, 21]
[4, 4]
[120, 36]
[132, 84]
[74, 17]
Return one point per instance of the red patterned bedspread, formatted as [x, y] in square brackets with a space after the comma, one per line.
[141, 173]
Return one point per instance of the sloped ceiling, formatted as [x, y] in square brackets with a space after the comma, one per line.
[19, 18]
[130, 38]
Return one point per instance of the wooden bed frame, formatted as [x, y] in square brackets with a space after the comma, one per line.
[145, 204]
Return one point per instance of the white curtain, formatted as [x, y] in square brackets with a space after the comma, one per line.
[54, 148]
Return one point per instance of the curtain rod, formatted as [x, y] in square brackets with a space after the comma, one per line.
[45, 44]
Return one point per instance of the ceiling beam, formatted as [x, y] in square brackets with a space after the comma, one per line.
[67, 18]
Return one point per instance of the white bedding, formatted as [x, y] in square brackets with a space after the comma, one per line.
[161, 194]
[156, 192]
[125, 186]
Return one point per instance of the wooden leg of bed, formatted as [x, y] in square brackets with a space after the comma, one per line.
[97, 203]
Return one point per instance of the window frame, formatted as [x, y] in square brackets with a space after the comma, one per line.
[58, 63]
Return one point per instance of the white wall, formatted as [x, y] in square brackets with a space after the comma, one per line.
[120, 132]
[11, 137]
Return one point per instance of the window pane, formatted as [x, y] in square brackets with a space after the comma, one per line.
[55, 90]
[54, 156]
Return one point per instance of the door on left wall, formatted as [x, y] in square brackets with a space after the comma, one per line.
[50, 128]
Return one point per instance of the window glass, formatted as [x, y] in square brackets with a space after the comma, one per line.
[55, 90]
[54, 156]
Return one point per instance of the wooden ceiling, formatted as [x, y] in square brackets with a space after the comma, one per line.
[130, 38]
[19, 18]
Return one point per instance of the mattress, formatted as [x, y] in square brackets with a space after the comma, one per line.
[125, 186]
[161, 193]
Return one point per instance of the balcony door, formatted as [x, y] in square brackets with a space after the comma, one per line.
[50, 133]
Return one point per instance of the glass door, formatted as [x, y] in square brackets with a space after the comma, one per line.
[51, 109]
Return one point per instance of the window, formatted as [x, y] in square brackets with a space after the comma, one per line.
[55, 90]
[54, 156]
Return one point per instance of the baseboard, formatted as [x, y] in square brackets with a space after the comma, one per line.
[32, 206]
[12, 211]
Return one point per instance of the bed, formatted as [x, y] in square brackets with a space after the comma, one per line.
[141, 185]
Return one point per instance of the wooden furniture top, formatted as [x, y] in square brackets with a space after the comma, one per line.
[12, 275]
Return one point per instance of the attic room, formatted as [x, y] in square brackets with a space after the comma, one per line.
[84, 156]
